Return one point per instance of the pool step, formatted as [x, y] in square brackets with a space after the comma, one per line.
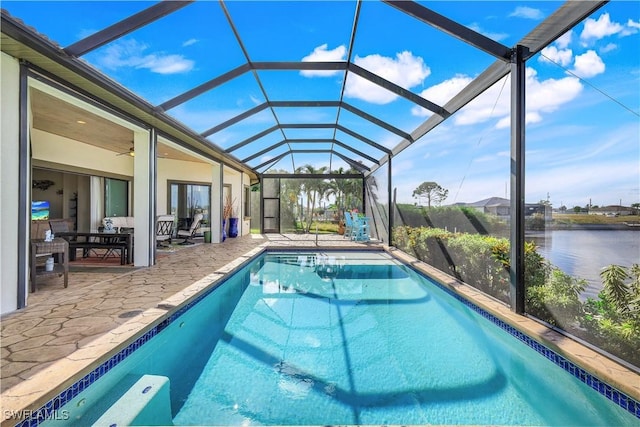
[308, 260]
[146, 403]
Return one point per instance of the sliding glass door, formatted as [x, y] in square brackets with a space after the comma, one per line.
[187, 199]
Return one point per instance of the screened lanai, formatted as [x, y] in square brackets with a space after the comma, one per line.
[494, 142]
[364, 90]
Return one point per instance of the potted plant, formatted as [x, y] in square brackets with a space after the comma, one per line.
[230, 212]
[229, 215]
[206, 234]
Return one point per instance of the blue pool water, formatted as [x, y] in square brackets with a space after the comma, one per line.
[345, 338]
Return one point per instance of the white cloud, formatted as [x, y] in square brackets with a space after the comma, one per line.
[588, 64]
[543, 97]
[170, 64]
[130, 53]
[632, 27]
[529, 117]
[492, 103]
[527, 12]
[546, 96]
[494, 36]
[190, 42]
[441, 93]
[597, 29]
[564, 40]
[255, 100]
[322, 54]
[532, 117]
[405, 70]
[560, 56]
[632, 24]
[608, 48]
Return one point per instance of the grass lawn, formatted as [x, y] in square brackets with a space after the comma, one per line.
[323, 228]
[593, 219]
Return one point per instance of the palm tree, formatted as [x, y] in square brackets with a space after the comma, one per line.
[312, 188]
[337, 188]
[348, 192]
[289, 192]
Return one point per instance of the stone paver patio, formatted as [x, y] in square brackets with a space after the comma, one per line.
[59, 321]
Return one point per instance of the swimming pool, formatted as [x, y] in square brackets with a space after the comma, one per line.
[338, 338]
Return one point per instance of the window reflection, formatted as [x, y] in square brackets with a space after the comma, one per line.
[188, 199]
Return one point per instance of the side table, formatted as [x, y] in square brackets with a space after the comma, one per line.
[57, 246]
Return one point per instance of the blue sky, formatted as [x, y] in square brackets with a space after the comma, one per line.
[583, 91]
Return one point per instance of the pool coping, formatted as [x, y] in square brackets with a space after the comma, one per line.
[24, 400]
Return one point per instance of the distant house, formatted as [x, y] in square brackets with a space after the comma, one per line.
[493, 206]
[501, 207]
[612, 210]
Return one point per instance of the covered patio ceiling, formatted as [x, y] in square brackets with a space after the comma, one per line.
[275, 107]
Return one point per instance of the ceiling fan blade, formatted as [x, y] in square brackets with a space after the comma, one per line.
[131, 153]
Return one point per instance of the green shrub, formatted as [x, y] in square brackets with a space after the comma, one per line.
[454, 219]
[612, 321]
[556, 300]
[479, 261]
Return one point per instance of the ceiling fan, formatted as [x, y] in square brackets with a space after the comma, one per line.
[131, 152]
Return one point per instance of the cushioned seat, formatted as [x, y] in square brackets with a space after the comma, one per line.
[189, 234]
[121, 224]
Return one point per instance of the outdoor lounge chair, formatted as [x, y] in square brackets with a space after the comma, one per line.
[164, 230]
[190, 233]
[360, 231]
[348, 225]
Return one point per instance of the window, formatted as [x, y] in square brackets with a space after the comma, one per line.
[187, 199]
[247, 201]
[116, 197]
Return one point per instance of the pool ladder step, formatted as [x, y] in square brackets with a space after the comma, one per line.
[146, 403]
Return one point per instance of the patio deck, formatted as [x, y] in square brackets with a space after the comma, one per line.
[99, 299]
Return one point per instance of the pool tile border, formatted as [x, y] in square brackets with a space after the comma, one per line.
[49, 410]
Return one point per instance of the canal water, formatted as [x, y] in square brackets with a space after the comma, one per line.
[584, 253]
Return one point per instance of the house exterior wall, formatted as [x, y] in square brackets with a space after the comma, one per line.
[178, 170]
[9, 160]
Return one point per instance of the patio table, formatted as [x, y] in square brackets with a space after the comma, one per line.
[100, 240]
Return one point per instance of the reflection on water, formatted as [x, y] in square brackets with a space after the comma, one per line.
[584, 253]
